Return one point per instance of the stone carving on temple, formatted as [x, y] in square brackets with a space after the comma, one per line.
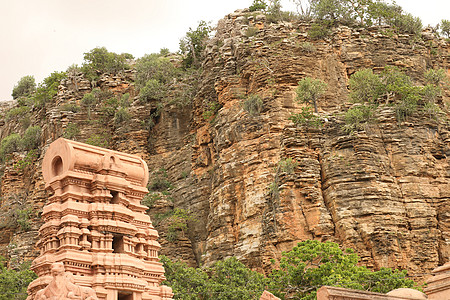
[96, 242]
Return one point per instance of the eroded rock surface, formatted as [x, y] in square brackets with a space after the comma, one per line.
[383, 190]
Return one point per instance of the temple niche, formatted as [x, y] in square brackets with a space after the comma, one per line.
[96, 234]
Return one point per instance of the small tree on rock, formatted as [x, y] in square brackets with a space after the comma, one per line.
[445, 28]
[309, 90]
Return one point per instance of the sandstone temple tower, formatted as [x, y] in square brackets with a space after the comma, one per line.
[95, 230]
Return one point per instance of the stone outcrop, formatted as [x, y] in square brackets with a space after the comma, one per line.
[382, 191]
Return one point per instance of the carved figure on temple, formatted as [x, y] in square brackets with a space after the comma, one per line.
[62, 287]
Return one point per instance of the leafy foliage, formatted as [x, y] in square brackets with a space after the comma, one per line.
[88, 102]
[258, 5]
[177, 222]
[395, 87]
[100, 60]
[14, 283]
[159, 181]
[31, 138]
[301, 271]
[48, 88]
[121, 116]
[24, 88]
[193, 44]
[100, 140]
[253, 105]
[71, 131]
[312, 264]
[16, 112]
[8, 145]
[153, 90]
[365, 86]
[287, 165]
[211, 110]
[153, 77]
[306, 117]
[309, 90]
[445, 28]
[228, 279]
[154, 66]
[356, 117]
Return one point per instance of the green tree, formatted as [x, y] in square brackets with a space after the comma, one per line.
[88, 101]
[309, 90]
[25, 87]
[445, 28]
[100, 60]
[258, 5]
[14, 283]
[312, 264]
[193, 44]
[154, 74]
[154, 66]
[356, 117]
[332, 10]
[225, 280]
[365, 86]
[187, 283]
[31, 138]
[306, 117]
[48, 88]
[153, 90]
[122, 115]
[8, 145]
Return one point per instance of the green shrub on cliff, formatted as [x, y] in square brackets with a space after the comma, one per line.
[14, 283]
[154, 74]
[365, 86]
[48, 88]
[24, 88]
[31, 139]
[253, 105]
[306, 117]
[8, 145]
[193, 44]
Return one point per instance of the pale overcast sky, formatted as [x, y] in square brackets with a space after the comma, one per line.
[41, 36]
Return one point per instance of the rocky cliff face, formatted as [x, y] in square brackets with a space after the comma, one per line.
[383, 191]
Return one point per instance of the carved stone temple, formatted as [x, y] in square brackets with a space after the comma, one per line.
[96, 241]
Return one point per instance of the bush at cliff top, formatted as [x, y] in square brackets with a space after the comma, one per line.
[14, 283]
[24, 88]
[445, 28]
[48, 88]
[100, 60]
[312, 264]
[193, 44]
[258, 5]
[154, 66]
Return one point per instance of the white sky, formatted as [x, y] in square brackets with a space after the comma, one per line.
[41, 36]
